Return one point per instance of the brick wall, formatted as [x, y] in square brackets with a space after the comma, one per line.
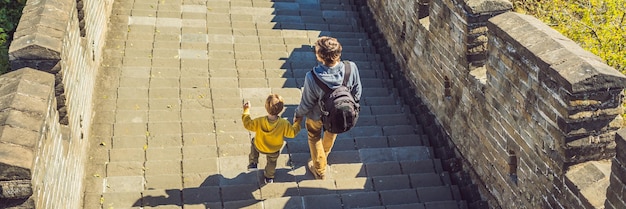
[616, 193]
[64, 39]
[510, 103]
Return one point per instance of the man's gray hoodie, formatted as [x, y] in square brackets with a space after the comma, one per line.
[333, 77]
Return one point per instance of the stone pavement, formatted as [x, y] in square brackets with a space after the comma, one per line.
[168, 132]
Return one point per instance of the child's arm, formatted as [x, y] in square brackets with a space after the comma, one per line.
[248, 123]
[294, 128]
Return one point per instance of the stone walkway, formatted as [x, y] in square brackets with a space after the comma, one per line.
[168, 132]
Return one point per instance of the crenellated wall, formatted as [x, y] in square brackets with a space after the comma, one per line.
[616, 193]
[525, 111]
[61, 40]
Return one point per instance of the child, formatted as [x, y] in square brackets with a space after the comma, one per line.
[270, 131]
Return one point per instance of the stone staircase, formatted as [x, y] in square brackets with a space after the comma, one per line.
[386, 161]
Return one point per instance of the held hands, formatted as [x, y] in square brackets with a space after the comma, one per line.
[296, 119]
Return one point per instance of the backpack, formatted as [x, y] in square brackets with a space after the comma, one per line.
[340, 111]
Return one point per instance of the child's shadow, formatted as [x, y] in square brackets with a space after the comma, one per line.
[216, 191]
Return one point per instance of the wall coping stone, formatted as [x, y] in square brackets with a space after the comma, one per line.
[591, 178]
[487, 6]
[24, 97]
[575, 69]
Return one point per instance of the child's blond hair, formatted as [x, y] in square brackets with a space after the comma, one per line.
[328, 49]
[274, 104]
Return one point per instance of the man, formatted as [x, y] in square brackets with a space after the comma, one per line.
[331, 72]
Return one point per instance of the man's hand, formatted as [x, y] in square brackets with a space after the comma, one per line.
[297, 119]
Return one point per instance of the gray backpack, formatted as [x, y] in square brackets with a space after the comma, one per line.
[340, 111]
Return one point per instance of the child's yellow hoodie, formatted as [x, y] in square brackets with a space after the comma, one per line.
[269, 134]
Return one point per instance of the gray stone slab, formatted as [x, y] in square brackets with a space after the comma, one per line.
[425, 180]
[161, 167]
[405, 140]
[161, 198]
[125, 168]
[371, 142]
[201, 195]
[164, 129]
[163, 153]
[358, 184]
[240, 192]
[198, 127]
[433, 194]
[122, 200]
[371, 155]
[196, 82]
[343, 144]
[171, 115]
[124, 184]
[407, 206]
[316, 187]
[131, 116]
[119, 142]
[335, 157]
[166, 62]
[199, 152]
[361, 131]
[421, 166]
[398, 197]
[351, 170]
[399, 130]
[291, 202]
[244, 204]
[165, 90]
[279, 189]
[391, 182]
[166, 181]
[165, 104]
[199, 139]
[383, 168]
[200, 166]
[127, 154]
[241, 177]
[443, 205]
[230, 150]
[329, 201]
[156, 140]
[360, 199]
[412, 153]
[132, 104]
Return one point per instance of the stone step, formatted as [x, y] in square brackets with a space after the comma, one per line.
[388, 119]
[379, 100]
[359, 131]
[394, 154]
[401, 198]
[300, 144]
[235, 191]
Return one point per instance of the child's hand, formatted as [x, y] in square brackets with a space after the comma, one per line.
[246, 105]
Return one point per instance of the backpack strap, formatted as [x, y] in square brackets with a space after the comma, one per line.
[346, 75]
[325, 87]
[320, 83]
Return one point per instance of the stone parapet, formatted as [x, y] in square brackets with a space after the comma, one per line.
[26, 97]
[535, 101]
[64, 38]
[616, 193]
